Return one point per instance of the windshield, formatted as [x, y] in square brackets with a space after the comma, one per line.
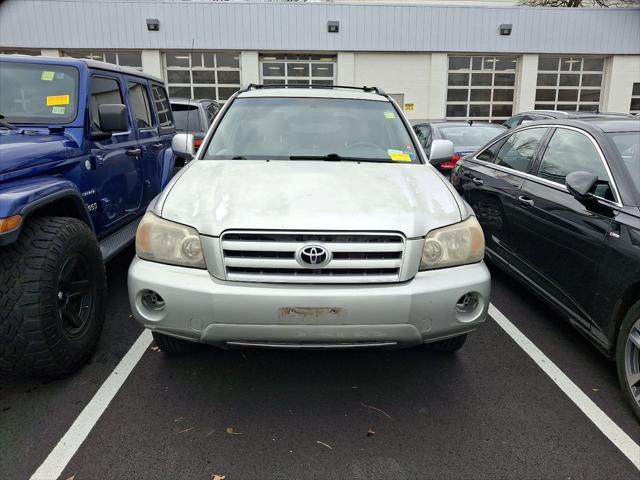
[471, 136]
[283, 128]
[186, 113]
[628, 145]
[37, 93]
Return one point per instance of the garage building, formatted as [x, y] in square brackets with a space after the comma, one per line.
[459, 60]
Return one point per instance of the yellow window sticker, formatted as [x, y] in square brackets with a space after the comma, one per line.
[47, 76]
[57, 100]
[58, 110]
[398, 156]
[389, 115]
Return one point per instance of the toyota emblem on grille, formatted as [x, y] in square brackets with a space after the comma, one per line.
[314, 256]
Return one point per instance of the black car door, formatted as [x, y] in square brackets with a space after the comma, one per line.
[491, 181]
[560, 238]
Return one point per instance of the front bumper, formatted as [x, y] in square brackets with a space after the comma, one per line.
[202, 308]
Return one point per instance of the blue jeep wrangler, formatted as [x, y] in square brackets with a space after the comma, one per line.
[84, 147]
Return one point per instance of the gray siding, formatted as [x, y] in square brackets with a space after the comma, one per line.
[302, 27]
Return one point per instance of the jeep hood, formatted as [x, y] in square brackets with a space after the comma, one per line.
[214, 196]
[19, 150]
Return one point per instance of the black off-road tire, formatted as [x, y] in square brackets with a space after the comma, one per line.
[34, 338]
[173, 345]
[633, 314]
[449, 345]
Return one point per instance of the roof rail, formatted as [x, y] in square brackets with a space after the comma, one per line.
[257, 86]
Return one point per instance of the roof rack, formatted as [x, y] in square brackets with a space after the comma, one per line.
[257, 86]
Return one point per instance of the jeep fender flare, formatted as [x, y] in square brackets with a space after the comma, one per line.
[27, 198]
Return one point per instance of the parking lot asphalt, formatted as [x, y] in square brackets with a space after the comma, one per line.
[486, 412]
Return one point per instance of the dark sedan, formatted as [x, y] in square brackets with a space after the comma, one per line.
[524, 118]
[466, 137]
[559, 203]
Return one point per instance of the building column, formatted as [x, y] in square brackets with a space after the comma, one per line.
[152, 63]
[620, 74]
[524, 96]
[437, 86]
[249, 67]
[50, 52]
[346, 69]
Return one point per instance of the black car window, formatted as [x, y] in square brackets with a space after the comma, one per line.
[162, 106]
[424, 135]
[489, 154]
[140, 105]
[212, 111]
[519, 151]
[187, 118]
[571, 151]
[104, 91]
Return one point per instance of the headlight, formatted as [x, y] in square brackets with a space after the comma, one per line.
[453, 245]
[163, 241]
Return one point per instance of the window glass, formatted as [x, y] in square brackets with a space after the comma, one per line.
[162, 106]
[489, 154]
[140, 105]
[470, 136]
[628, 145]
[298, 69]
[281, 127]
[570, 151]
[424, 135]
[634, 107]
[212, 111]
[38, 93]
[518, 152]
[187, 118]
[103, 91]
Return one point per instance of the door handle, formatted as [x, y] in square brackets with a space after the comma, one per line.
[477, 181]
[134, 152]
[526, 201]
[157, 146]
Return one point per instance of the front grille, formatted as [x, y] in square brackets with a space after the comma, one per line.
[271, 257]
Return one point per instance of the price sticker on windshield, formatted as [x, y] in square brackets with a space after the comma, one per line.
[47, 76]
[389, 115]
[398, 156]
[54, 100]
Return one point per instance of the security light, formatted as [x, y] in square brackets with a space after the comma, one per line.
[505, 29]
[153, 24]
[333, 26]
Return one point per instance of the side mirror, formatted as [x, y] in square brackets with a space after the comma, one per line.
[113, 118]
[580, 184]
[441, 151]
[182, 146]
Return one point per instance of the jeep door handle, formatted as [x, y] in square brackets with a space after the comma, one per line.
[134, 152]
[526, 201]
[478, 182]
[157, 146]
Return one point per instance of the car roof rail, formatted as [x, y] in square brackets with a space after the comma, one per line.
[258, 86]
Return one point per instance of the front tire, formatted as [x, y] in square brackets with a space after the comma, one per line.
[448, 345]
[52, 289]
[628, 357]
[174, 346]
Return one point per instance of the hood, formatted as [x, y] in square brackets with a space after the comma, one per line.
[20, 150]
[213, 196]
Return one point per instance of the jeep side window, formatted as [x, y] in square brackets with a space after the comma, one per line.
[162, 106]
[103, 91]
[140, 105]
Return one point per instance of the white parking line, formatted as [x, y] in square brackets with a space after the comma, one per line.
[600, 419]
[68, 445]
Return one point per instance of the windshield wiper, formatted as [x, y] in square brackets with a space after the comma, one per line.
[334, 157]
[6, 124]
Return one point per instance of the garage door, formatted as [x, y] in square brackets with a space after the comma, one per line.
[294, 69]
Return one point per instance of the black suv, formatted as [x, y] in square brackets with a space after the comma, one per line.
[559, 202]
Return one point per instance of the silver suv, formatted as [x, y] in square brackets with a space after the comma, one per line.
[309, 219]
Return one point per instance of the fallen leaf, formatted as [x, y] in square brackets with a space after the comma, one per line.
[215, 476]
[155, 349]
[186, 430]
[72, 477]
[231, 431]
[322, 443]
[595, 389]
[370, 432]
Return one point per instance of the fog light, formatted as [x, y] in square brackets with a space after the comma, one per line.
[152, 301]
[468, 303]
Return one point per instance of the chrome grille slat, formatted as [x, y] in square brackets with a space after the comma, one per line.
[271, 257]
